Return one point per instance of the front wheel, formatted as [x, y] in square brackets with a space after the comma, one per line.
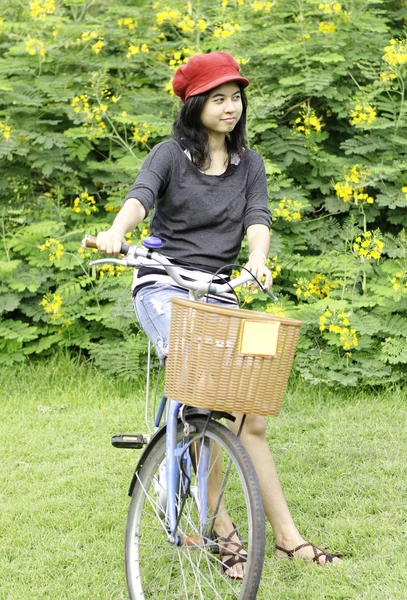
[155, 567]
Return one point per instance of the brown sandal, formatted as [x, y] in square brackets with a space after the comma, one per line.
[235, 555]
[329, 558]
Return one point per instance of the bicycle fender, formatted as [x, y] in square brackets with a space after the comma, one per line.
[191, 412]
[203, 412]
[158, 434]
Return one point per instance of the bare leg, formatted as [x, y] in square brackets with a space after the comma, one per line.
[286, 533]
[222, 522]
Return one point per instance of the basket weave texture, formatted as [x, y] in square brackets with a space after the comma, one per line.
[205, 369]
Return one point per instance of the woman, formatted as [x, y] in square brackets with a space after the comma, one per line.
[208, 190]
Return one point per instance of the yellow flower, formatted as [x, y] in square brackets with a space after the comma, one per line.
[369, 245]
[132, 50]
[178, 58]
[92, 117]
[128, 22]
[308, 122]
[56, 29]
[399, 282]
[52, 303]
[39, 9]
[338, 323]
[167, 15]
[5, 130]
[329, 7]
[288, 210]
[84, 203]
[186, 24]
[34, 46]
[55, 249]
[97, 47]
[110, 271]
[318, 287]
[226, 30]
[275, 268]
[87, 36]
[169, 88]
[141, 133]
[396, 53]
[86, 253]
[363, 114]
[327, 28]
[354, 193]
[274, 309]
[144, 233]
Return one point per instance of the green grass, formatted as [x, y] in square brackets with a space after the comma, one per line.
[63, 494]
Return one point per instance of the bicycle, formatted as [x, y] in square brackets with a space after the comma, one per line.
[193, 470]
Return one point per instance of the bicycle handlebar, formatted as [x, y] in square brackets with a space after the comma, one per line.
[89, 241]
[132, 253]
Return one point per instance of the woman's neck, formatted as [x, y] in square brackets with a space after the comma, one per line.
[218, 158]
[216, 143]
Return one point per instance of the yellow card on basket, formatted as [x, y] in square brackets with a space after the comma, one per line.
[258, 338]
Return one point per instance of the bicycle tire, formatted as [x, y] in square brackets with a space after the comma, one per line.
[157, 569]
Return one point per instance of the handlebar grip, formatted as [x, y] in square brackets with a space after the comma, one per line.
[90, 242]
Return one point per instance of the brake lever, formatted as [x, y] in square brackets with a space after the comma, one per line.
[270, 293]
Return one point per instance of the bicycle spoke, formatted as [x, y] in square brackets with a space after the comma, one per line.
[194, 569]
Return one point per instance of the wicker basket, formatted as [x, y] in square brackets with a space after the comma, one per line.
[206, 367]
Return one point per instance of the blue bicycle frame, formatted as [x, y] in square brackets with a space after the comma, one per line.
[173, 456]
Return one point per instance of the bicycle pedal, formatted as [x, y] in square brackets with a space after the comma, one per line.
[129, 440]
[212, 544]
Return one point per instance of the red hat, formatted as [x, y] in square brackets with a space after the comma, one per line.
[204, 72]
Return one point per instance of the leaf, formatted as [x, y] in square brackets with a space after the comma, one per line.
[365, 323]
[78, 148]
[394, 325]
[123, 359]
[42, 344]
[395, 350]
[362, 145]
[9, 302]
[8, 266]
[17, 330]
[392, 200]
[6, 148]
[27, 279]
[330, 57]
[271, 168]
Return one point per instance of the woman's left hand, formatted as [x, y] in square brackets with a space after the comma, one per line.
[257, 267]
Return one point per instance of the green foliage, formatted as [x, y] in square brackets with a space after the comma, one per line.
[85, 94]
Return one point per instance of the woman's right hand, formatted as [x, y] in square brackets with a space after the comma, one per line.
[110, 241]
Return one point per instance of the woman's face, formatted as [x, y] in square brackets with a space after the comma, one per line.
[223, 108]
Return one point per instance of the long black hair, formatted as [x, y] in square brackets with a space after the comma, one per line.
[193, 135]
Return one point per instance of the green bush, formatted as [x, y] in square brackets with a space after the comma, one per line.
[85, 93]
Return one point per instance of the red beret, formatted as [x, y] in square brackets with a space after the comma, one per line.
[205, 72]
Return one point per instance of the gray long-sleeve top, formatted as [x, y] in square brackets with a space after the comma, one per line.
[201, 218]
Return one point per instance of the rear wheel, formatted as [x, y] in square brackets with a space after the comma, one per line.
[156, 568]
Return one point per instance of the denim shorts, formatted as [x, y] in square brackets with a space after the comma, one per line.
[153, 309]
